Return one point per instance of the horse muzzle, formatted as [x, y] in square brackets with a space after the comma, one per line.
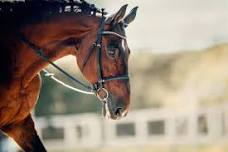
[112, 110]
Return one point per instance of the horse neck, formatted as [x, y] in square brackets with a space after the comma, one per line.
[57, 37]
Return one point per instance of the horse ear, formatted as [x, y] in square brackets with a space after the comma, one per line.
[131, 16]
[117, 17]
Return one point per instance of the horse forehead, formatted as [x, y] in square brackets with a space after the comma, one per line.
[119, 29]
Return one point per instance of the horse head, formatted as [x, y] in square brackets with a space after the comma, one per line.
[105, 62]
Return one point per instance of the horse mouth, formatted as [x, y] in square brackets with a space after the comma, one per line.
[109, 113]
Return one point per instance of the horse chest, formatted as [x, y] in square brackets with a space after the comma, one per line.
[16, 103]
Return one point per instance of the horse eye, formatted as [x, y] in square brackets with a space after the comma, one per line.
[113, 52]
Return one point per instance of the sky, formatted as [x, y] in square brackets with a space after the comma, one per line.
[174, 25]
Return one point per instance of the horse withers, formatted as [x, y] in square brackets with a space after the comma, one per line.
[35, 34]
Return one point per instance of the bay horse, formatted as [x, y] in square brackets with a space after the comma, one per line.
[34, 34]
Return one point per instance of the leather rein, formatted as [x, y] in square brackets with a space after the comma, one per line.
[96, 88]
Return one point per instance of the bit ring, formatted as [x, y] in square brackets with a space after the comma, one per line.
[102, 98]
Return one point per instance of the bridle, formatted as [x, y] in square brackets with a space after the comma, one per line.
[98, 87]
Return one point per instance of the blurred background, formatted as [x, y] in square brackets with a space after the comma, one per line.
[179, 82]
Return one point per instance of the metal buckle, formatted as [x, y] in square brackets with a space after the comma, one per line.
[106, 95]
[97, 45]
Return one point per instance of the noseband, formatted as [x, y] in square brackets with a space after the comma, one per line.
[94, 89]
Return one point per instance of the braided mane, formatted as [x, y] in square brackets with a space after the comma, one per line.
[16, 14]
[48, 6]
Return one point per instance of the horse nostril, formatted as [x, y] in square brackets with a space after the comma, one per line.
[118, 111]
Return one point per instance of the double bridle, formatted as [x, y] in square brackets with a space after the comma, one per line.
[94, 89]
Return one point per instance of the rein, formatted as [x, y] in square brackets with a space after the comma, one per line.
[93, 89]
[52, 76]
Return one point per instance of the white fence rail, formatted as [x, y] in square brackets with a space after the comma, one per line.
[151, 126]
